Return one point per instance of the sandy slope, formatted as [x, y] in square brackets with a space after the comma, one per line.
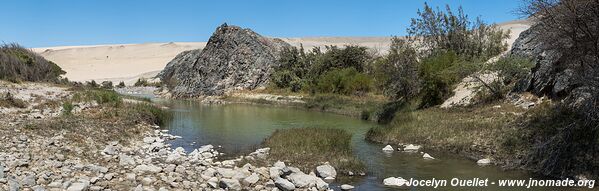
[127, 62]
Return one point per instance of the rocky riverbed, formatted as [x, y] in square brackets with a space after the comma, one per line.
[99, 149]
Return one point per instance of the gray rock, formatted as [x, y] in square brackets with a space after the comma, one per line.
[230, 184]
[234, 58]
[79, 186]
[150, 140]
[29, 180]
[213, 182]
[38, 188]
[252, 179]
[483, 162]
[140, 169]
[109, 150]
[1, 171]
[125, 160]
[13, 185]
[284, 185]
[326, 171]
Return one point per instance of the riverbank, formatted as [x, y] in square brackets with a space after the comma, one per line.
[92, 139]
[364, 107]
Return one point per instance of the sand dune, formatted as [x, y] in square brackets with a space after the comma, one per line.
[127, 62]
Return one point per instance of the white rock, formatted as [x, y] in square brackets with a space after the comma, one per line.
[230, 184]
[427, 156]
[125, 160]
[252, 179]
[411, 148]
[347, 187]
[326, 171]
[149, 140]
[226, 172]
[392, 181]
[284, 185]
[79, 186]
[388, 148]
[140, 169]
[485, 161]
[301, 180]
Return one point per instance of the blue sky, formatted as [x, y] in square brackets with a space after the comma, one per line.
[41, 23]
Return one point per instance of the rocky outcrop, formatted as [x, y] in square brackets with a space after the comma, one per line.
[555, 75]
[233, 59]
[551, 75]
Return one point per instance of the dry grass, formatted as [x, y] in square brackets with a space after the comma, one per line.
[475, 132]
[307, 148]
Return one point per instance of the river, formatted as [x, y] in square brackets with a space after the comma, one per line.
[240, 128]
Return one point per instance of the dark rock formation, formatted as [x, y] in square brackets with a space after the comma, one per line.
[233, 59]
[548, 76]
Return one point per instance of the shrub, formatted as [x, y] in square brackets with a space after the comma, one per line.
[20, 64]
[152, 113]
[452, 31]
[387, 112]
[345, 81]
[121, 85]
[397, 73]
[438, 72]
[107, 85]
[67, 108]
[92, 84]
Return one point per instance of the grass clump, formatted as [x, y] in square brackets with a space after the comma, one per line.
[345, 105]
[307, 148]
[67, 108]
[8, 100]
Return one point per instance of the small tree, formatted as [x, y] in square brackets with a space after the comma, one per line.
[435, 30]
[398, 71]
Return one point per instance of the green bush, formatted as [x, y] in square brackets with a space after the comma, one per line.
[20, 64]
[439, 73]
[152, 113]
[345, 81]
[67, 108]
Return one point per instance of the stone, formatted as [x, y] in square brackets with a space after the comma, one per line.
[279, 164]
[392, 181]
[230, 184]
[147, 181]
[252, 179]
[226, 172]
[233, 59]
[78, 186]
[284, 185]
[38, 188]
[301, 180]
[213, 182]
[427, 156]
[1, 171]
[388, 148]
[125, 160]
[109, 150]
[411, 148]
[149, 140]
[174, 158]
[326, 170]
[347, 187]
[28, 181]
[482, 162]
[275, 172]
[140, 169]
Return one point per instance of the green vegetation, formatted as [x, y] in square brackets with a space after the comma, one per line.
[121, 85]
[307, 148]
[19, 64]
[67, 108]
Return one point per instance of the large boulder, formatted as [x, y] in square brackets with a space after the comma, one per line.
[233, 59]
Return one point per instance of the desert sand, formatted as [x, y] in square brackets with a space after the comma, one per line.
[128, 62]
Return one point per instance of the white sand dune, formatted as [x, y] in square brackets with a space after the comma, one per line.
[127, 62]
